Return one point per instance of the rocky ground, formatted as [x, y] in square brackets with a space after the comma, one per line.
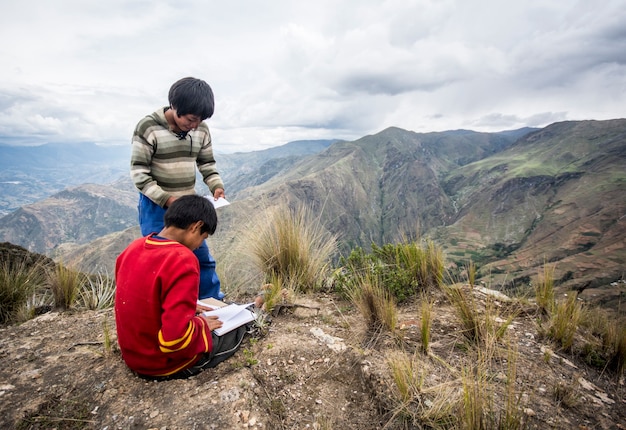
[312, 367]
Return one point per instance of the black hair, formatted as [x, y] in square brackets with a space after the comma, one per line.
[187, 210]
[192, 96]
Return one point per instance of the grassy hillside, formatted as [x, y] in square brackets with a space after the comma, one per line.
[557, 195]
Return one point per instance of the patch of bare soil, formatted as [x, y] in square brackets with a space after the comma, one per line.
[314, 367]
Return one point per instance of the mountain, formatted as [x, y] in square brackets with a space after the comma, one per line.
[244, 169]
[509, 201]
[381, 186]
[76, 215]
[32, 173]
[557, 195]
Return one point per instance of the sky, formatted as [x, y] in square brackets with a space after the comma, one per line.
[281, 70]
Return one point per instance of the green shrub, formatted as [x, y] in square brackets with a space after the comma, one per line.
[404, 269]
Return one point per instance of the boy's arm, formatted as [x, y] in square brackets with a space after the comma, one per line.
[182, 332]
[206, 165]
[140, 166]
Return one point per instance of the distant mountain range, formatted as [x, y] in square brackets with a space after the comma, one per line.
[509, 201]
[31, 173]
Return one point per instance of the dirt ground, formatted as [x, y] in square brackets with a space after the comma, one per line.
[312, 368]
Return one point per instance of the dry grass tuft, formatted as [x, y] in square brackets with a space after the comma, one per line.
[64, 284]
[292, 245]
[416, 403]
[18, 281]
[375, 304]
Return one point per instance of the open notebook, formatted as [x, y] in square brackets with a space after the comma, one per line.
[232, 315]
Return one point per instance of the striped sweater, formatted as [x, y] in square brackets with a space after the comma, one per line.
[155, 303]
[163, 164]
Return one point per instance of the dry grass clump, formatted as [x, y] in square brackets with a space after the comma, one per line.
[482, 322]
[375, 303]
[483, 405]
[292, 245]
[26, 289]
[564, 322]
[418, 404]
[18, 282]
[64, 284]
[544, 290]
[426, 314]
[590, 332]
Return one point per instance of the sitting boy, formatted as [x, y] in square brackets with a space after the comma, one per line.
[160, 334]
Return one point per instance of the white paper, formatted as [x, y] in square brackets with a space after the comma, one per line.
[217, 203]
[231, 316]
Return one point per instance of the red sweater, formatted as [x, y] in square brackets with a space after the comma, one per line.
[155, 307]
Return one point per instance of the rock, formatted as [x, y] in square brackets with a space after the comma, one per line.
[493, 293]
[230, 396]
[334, 343]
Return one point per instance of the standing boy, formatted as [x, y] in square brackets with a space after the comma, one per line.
[167, 146]
[158, 329]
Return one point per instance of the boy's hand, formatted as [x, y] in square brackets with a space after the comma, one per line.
[202, 308]
[212, 322]
[169, 202]
[219, 192]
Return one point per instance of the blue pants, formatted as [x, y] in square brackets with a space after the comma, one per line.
[151, 221]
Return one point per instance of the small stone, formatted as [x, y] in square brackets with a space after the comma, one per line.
[529, 412]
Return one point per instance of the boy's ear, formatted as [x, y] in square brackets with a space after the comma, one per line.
[197, 226]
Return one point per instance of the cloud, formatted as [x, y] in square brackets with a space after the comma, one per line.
[286, 71]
